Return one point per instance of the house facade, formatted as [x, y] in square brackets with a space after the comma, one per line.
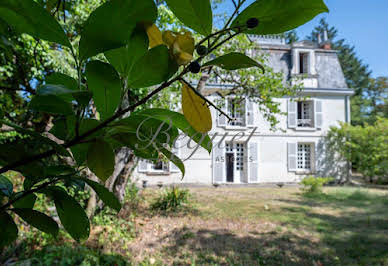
[246, 150]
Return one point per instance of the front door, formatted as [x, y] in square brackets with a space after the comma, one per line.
[229, 167]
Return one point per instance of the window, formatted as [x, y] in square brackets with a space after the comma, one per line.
[240, 156]
[236, 110]
[305, 114]
[303, 63]
[160, 166]
[304, 156]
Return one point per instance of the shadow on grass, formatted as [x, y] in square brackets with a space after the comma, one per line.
[354, 226]
[62, 255]
[226, 248]
[351, 229]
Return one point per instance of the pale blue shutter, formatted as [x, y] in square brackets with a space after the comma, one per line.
[218, 162]
[292, 113]
[253, 162]
[318, 114]
[250, 118]
[292, 156]
[221, 119]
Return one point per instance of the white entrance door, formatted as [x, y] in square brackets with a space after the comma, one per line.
[235, 162]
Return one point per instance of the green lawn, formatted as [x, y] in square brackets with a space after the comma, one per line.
[249, 226]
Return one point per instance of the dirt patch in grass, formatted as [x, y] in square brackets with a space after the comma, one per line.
[274, 226]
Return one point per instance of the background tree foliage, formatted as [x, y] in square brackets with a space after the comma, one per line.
[370, 98]
[366, 146]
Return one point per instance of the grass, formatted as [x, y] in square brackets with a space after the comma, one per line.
[244, 226]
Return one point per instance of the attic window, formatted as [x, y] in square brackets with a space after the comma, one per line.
[303, 63]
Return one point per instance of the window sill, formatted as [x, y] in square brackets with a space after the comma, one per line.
[306, 129]
[304, 172]
[157, 173]
[236, 127]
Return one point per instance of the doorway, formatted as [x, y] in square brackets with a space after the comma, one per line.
[230, 167]
[235, 162]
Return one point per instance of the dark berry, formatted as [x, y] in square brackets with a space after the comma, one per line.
[252, 23]
[194, 67]
[202, 50]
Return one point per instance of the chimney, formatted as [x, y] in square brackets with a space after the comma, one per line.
[325, 37]
[326, 44]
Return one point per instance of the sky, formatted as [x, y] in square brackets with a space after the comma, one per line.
[361, 23]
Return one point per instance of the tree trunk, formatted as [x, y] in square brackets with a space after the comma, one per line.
[92, 202]
[125, 164]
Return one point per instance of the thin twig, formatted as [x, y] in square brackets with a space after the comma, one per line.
[28, 192]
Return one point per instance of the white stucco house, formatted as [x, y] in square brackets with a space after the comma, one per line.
[246, 151]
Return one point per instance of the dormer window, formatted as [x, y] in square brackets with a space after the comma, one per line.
[304, 63]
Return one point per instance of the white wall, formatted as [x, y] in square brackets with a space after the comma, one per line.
[272, 146]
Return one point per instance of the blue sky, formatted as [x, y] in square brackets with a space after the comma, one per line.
[363, 24]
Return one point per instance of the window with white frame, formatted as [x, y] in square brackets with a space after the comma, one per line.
[160, 166]
[236, 110]
[240, 156]
[304, 156]
[305, 113]
[303, 63]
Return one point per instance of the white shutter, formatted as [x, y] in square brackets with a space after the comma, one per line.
[221, 119]
[292, 113]
[175, 150]
[318, 113]
[218, 163]
[253, 162]
[250, 119]
[292, 156]
[143, 166]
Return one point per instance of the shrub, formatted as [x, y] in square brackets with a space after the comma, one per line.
[365, 146]
[133, 197]
[313, 184]
[171, 200]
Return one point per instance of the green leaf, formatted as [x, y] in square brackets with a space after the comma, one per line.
[123, 58]
[82, 97]
[27, 202]
[9, 230]
[71, 214]
[101, 159]
[278, 16]
[51, 104]
[153, 68]
[196, 14]
[179, 121]
[141, 149]
[6, 186]
[233, 61]
[38, 220]
[27, 16]
[105, 84]
[104, 194]
[62, 79]
[80, 152]
[175, 159]
[60, 91]
[110, 25]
